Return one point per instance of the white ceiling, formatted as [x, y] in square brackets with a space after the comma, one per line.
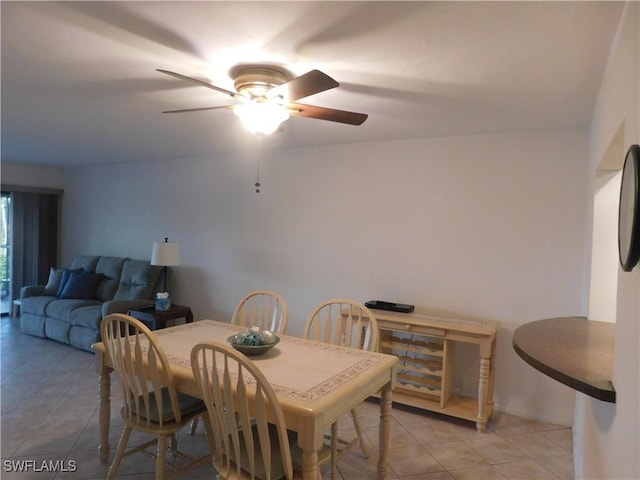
[79, 84]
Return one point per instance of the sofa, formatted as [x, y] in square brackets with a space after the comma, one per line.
[71, 306]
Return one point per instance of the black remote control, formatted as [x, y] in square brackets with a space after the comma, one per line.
[389, 306]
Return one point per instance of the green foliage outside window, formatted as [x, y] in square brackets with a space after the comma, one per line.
[5, 277]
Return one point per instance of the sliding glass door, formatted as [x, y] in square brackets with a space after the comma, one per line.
[5, 253]
[29, 238]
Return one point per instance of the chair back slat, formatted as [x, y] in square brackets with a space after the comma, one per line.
[350, 335]
[264, 439]
[343, 322]
[264, 308]
[240, 402]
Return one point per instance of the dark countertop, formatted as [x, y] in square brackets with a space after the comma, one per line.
[572, 350]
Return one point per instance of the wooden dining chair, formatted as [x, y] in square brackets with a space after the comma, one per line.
[264, 308]
[348, 323]
[250, 437]
[151, 402]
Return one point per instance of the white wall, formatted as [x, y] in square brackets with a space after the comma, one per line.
[607, 436]
[604, 259]
[31, 175]
[491, 226]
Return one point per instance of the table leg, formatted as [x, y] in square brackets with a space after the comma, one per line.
[483, 393]
[104, 375]
[384, 431]
[492, 372]
[310, 465]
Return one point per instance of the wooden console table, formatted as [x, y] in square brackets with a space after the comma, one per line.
[572, 350]
[425, 345]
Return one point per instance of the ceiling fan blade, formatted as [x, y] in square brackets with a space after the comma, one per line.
[199, 82]
[307, 84]
[198, 109]
[324, 113]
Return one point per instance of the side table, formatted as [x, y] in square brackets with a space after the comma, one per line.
[156, 319]
[15, 311]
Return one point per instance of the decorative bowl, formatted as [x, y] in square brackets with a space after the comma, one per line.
[252, 349]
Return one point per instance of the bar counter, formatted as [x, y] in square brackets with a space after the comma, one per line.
[572, 350]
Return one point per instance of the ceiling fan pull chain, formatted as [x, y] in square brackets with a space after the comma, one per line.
[258, 157]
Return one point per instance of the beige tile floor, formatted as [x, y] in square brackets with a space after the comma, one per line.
[49, 413]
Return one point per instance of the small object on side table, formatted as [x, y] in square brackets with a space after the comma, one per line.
[157, 319]
[163, 302]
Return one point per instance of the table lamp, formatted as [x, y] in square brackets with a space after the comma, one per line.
[165, 254]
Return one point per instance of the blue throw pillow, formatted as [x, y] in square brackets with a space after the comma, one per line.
[81, 286]
[64, 278]
[53, 284]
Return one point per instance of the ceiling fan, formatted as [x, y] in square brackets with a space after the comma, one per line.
[266, 96]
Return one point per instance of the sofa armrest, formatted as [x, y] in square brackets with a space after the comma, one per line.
[121, 306]
[31, 291]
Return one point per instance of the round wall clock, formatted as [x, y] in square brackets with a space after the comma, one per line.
[629, 212]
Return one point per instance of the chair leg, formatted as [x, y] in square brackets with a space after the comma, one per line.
[173, 446]
[208, 430]
[122, 444]
[356, 424]
[160, 459]
[194, 425]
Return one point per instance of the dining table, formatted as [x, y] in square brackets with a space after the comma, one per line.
[314, 382]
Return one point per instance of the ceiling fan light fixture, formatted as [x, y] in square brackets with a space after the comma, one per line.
[261, 118]
[267, 93]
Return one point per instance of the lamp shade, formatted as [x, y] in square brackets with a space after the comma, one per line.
[165, 253]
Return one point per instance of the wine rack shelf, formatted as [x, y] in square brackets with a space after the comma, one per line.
[425, 345]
